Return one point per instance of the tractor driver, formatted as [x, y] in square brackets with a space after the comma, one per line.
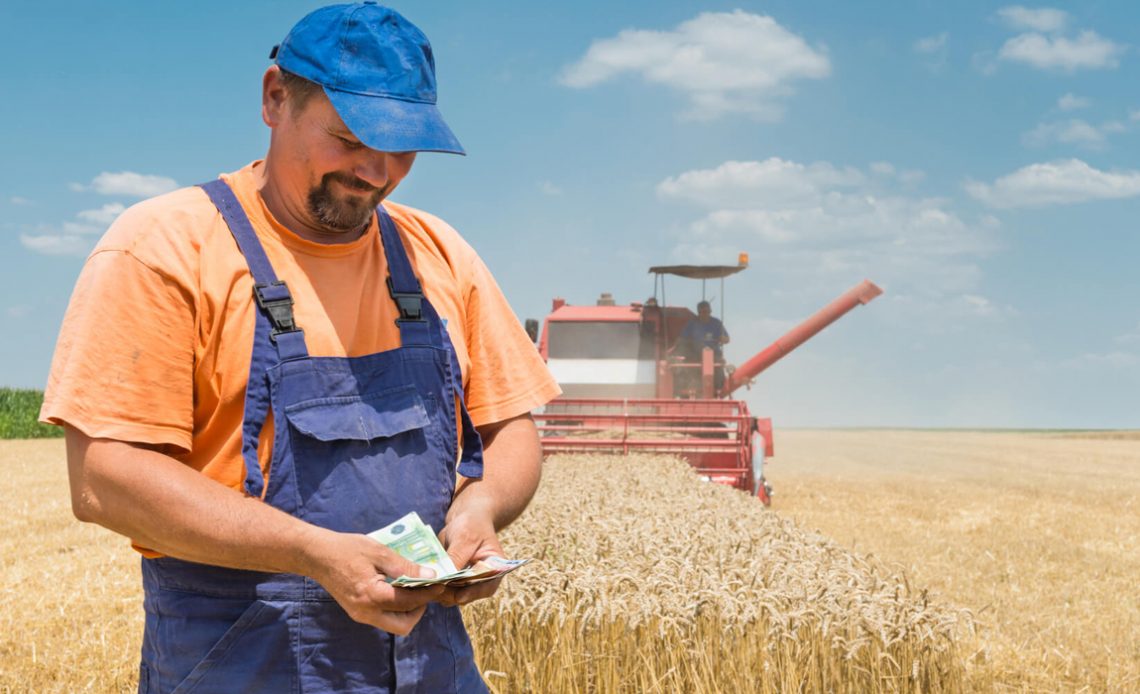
[705, 331]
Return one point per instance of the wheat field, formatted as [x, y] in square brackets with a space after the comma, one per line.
[893, 561]
[1038, 534]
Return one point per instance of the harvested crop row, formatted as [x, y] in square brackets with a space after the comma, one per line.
[647, 579]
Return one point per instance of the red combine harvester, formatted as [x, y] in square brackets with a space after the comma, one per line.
[631, 384]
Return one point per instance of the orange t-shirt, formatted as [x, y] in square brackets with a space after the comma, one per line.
[156, 342]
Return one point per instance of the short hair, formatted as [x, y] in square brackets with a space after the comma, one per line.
[298, 90]
[704, 304]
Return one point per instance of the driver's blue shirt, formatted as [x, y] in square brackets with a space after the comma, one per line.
[706, 333]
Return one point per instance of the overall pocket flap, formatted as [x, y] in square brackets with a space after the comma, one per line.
[360, 418]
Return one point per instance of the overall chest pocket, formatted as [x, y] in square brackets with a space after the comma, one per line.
[360, 452]
[360, 417]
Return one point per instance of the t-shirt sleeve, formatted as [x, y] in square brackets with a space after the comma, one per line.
[507, 376]
[124, 359]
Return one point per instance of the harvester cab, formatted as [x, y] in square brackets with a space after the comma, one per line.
[693, 368]
[632, 380]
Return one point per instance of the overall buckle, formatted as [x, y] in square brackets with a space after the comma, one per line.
[274, 298]
[410, 304]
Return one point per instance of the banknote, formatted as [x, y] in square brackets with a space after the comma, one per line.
[414, 540]
[483, 570]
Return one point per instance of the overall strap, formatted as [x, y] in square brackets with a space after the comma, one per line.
[271, 294]
[276, 336]
[404, 288]
[420, 324]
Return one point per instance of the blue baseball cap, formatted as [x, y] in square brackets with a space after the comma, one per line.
[377, 69]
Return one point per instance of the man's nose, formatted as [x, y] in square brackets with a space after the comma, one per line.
[373, 168]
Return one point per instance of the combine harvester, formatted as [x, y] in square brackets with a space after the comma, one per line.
[628, 384]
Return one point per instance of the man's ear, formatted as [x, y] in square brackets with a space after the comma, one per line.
[274, 98]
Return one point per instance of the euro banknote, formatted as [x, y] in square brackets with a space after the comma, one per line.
[414, 540]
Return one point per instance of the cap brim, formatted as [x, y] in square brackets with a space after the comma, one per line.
[394, 125]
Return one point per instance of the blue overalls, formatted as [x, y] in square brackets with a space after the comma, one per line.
[358, 443]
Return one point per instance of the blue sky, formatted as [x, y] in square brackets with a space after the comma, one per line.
[979, 161]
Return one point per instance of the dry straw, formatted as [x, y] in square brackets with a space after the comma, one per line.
[647, 579]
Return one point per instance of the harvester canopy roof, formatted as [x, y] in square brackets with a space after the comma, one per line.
[697, 272]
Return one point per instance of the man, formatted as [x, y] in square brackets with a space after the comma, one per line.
[705, 331]
[256, 372]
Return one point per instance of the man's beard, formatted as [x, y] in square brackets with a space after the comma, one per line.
[348, 213]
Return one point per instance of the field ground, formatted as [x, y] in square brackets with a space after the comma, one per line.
[1035, 533]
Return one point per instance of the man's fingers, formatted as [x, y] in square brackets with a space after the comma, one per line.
[399, 623]
[402, 599]
[393, 565]
[461, 554]
[468, 594]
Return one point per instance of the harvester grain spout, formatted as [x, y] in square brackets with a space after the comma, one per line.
[861, 293]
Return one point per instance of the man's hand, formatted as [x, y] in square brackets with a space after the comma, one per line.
[352, 568]
[512, 465]
[468, 537]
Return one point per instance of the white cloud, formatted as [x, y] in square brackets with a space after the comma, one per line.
[17, 200]
[1134, 115]
[1088, 51]
[725, 63]
[56, 244]
[935, 48]
[19, 311]
[932, 44]
[72, 237]
[882, 168]
[773, 181]
[549, 188]
[128, 183]
[1131, 337]
[1045, 19]
[820, 224]
[1055, 183]
[1072, 102]
[1071, 132]
[76, 236]
[80, 229]
[984, 62]
[912, 176]
[979, 305]
[104, 215]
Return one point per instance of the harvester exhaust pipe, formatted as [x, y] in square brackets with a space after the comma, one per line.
[861, 293]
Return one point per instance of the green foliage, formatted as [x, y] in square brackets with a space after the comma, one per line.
[19, 410]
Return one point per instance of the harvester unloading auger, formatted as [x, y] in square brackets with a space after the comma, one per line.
[628, 384]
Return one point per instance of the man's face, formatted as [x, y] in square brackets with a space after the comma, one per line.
[704, 313]
[339, 179]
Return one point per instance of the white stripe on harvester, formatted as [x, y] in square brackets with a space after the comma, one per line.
[603, 370]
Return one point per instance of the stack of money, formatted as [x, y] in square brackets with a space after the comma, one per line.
[414, 540]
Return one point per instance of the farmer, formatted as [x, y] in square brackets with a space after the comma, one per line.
[705, 331]
[254, 373]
